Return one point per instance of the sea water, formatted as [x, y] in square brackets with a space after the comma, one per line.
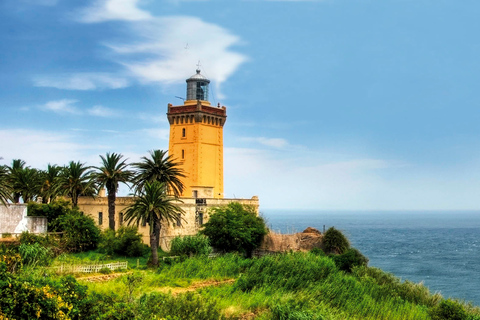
[439, 248]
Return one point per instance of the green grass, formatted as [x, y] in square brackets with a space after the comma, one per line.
[293, 286]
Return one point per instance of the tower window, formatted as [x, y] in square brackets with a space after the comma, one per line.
[183, 154]
[100, 218]
[120, 218]
[184, 132]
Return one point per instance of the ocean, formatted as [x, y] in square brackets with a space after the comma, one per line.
[439, 248]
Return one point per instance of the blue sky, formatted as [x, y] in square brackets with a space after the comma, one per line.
[332, 105]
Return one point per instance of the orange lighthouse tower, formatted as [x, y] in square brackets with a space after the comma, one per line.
[196, 140]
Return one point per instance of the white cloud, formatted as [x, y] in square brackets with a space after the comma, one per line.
[278, 143]
[166, 49]
[101, 111]
[61, 106]
[105, 10]
[82, 81]
[38, 147]
[174, 45]
[151, 118]
[304, 180]
[161, 134]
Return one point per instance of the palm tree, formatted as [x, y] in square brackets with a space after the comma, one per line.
[27, 184]
[153, 206]
[162, 168]
[76, 180]
[17, 165]
[110, 174]
[5, 190]
[49, 188]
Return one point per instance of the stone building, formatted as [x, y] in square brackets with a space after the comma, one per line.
[196, 142]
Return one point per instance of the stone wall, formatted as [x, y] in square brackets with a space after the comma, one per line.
[14, 220]
[196, 212]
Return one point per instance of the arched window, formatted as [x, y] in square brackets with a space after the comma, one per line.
[184, 132]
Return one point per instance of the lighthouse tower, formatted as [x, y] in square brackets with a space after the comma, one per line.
[196, 140]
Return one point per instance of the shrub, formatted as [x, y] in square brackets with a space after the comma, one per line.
[351, 258]
[35, 254]
[317, 251]
[108, 242]
[80, 232]
[11, 260]
[235, 228]
[52, 211]
[190, 245]
[126, 241]
[129, 242]
[448, 310]
[41, 298]
[334, 241]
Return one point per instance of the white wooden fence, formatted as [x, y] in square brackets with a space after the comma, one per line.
[69, 268]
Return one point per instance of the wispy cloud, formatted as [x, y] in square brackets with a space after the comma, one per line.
[278, 143]
[67, 106]
[105, 10]
[61, 106]
[165, 49]
[40, 147]
[82, 81]
[101, 111]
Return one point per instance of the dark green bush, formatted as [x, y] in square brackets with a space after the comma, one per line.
[129, 242]
[190, 245]
[235, 228]
[449, 310]
[126, 242]
[80, 232]
[351, 258]
[317, 251]
[52, 211]
[108, 242]
[334, 241]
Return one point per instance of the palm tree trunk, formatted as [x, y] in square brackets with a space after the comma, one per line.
[111, 209]
[157, 233]
[154, 243]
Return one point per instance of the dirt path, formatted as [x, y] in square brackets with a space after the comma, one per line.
[102, 277]
[195, 286]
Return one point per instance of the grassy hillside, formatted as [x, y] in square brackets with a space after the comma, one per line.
[284, 286]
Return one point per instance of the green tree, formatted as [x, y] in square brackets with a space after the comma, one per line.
[235, 228]
[79, 231]
[113, 171]
[17, 165]
[49, 188]
[153, 206]
[5, 189]
[26, 183]
[334, 241]
[162, 168]
[76, 180]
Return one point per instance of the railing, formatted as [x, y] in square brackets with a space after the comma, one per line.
[90, 268]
